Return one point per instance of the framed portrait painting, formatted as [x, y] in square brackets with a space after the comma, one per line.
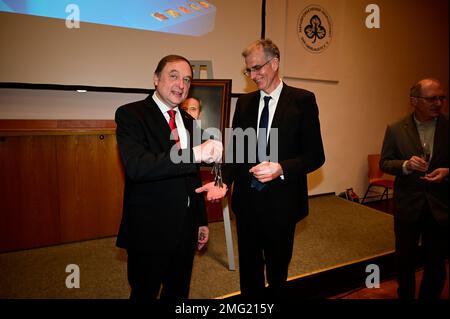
[215, 100]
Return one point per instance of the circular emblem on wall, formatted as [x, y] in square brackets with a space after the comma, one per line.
[314, 28]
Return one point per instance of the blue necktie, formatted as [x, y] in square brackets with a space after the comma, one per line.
[263, 128]
[261, 147]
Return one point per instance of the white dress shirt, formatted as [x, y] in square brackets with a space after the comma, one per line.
[426, 133]
[275, 96]
[182, 135]
[178, 119]
[273, 102]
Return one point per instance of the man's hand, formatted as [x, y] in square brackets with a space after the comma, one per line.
[213, 193]
[266, 171]
[203, 236]
[436, 176]
[208, 152]
[416, 163]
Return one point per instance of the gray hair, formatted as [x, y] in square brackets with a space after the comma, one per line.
[270, 48]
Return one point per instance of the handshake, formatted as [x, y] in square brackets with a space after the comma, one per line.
[208, 152]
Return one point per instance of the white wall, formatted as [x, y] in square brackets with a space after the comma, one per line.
[377, 68]
[42, 50]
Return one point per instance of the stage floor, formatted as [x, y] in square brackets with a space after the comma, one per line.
[337, 232]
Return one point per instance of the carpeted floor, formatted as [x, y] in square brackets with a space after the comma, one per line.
[336, 232]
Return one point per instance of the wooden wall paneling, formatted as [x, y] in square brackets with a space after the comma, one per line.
[62, 181]
[27, 125]
[91, 186]
[114, 180]
[29, 215]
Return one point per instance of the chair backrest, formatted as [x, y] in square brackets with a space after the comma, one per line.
[374, 167]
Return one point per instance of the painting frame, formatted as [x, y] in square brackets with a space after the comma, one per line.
[215, 97]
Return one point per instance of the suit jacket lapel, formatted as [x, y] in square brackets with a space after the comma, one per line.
[283, 101]
[157, 123]
[282, 105]
[438, 143]
[252, 118]
[189, 126]
[413, 135]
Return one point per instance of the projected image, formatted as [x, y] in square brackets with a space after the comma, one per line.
[186, 17]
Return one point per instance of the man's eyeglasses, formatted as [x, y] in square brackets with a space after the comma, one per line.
[256, 68]
[431, 99]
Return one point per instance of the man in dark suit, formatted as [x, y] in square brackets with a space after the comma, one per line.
[270, 192]
[163, 218]
[415, 150]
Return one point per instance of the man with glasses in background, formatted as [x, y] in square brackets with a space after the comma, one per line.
[193, 106]
[415, 150]
[270, 197]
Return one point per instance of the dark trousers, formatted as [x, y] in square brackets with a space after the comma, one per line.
[434, 242]
[265, 241]
[166, 273]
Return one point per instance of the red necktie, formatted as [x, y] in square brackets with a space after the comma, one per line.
[173, 126]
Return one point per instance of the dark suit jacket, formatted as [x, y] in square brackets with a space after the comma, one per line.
[401, 141]
[300, 151]
[156, 190]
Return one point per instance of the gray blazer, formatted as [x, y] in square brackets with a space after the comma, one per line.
[401, 141]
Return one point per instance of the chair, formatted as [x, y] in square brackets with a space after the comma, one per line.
[377, 179]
